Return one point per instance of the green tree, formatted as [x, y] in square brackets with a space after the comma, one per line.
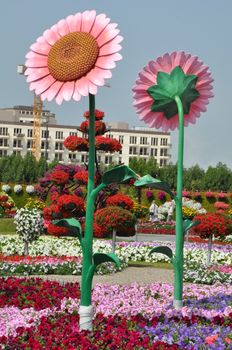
[218, 178]
[192, 178]
[169, 175]
[30, 171]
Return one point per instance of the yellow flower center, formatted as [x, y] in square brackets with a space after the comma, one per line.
[73, 56]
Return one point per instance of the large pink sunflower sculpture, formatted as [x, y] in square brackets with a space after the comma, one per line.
[73, 57]
[175, 74]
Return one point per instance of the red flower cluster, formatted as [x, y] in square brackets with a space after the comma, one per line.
[99, 231]
[116, 218]
[186, 194]
[59, 177]
[99, 115]
[57, 231]
[196, 195]
[100, 127]
[107, 144]
[70, 202]
[3, 198]
[35, 292]
[209, 194]
[221, 206]
[81, 177]
[213, 224]
[120, 200]
[7, 205]
[75, 143]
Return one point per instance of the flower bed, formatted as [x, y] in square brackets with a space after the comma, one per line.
[126, 317]
[64, 248]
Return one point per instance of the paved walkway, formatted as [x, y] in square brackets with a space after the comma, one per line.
[127, 276]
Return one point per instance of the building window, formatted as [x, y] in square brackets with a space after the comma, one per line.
[163, 141]
[108, 159]
[143, 151]
[121, 138]
[133, 140]
[72, 133]
[3, 153]
[163, 152]
[17, 143]
[3, 143]
[29, 132]
[3, 131]
[163, 162]
[17, 131]
[153, 152]
[29, 144]
[59, 135]
[143, 140]
[154, 141]
[58, 156]
[45, 134]
[59, 146]
[17, 153]
[132, 150]
[72, 156]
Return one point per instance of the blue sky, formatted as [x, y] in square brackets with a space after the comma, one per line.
[150, 28]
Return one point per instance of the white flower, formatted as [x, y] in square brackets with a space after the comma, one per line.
[18, 188]
[30, 189]
[6, 188]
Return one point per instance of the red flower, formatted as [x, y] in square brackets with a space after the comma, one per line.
[107, 144]
[116, 218]
[221, 205]
[81, 177]
[75, 143]
[120, 200]
[59, 177]
[100, 127]
[72, 203]
[99, 115]
[56, 230]
[213, 224]
[3, 198]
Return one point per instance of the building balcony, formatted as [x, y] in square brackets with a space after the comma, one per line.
[19, 135]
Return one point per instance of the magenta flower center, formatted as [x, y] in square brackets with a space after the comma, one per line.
[73, 56]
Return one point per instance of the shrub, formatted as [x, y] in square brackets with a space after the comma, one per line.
[59, 177]
[34, 203]
[120, 200]
[29, 225]
[72, 203]
[116, 218]
[213, 224]
[161, 196]
[149, 195]
[221, 206]
[6, 188]
[18, 189]
[30, 189]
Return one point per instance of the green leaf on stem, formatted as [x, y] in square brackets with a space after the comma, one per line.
[177, 83]
[150, 181]
[118, 174]
[162, 250]
[99, 258]
[73, 226]
[188, 224]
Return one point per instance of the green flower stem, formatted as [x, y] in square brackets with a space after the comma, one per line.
[179, 259]
[86, 283]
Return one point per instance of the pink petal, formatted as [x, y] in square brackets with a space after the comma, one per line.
[37, 62]
[100, 23]
[38, 74]
[60, 96]
[147, 77]
[29, 71]
[115, 56]
[71, 23]
[68, 89]
[54, 90]
[107, 35]
[32, 54]
[51, 36]
[88, 18]
[105, 62]
[109, 49]
[76, 95]
[40, 48]
[63, 27]
[78, 20]
[189, 64]
[41, 85]
[82, 86]
[96, 77]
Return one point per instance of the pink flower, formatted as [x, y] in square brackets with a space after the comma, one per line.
[73, 57]
[167, 65]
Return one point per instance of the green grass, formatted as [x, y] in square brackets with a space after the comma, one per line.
[150, 264]
[7, 225]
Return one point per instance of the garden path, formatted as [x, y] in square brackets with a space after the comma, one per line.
[127, 276]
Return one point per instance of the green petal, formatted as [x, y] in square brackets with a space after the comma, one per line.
[99, 258]
[118, 174]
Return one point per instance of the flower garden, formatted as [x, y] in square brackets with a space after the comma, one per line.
[66, 226]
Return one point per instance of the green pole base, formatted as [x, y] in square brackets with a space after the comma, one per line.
[86, 318]
[178, 304]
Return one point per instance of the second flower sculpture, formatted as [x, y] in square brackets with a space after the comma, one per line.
[171, 92]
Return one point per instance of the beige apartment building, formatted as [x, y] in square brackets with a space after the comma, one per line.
[16, 129]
